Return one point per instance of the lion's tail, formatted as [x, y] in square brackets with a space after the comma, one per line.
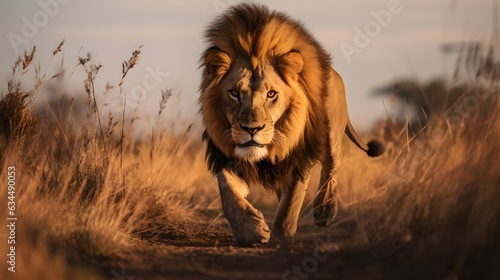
[373, 149]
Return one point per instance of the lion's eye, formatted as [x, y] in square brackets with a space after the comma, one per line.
[272, 94]
[234, 94]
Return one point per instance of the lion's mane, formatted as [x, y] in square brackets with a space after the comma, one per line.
[254, 32]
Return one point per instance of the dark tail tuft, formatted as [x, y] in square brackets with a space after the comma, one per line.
[375, 148]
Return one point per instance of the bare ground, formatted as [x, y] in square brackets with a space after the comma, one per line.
[208, 251]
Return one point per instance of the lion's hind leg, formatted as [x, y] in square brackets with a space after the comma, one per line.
[248, 224]
[325, 203]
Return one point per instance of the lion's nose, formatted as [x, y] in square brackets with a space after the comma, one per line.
[252, 130]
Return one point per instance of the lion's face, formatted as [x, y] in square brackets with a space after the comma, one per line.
[256, 100]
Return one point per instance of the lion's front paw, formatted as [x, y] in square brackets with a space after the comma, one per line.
[250, 228]
[325, 213]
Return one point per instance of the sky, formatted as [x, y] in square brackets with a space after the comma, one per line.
[372, 42]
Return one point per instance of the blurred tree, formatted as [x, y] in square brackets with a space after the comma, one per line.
[416, 102]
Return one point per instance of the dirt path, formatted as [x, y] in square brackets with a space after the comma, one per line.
[207, 251]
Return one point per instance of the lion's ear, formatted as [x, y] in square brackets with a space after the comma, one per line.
[216, 61]
[291, 63]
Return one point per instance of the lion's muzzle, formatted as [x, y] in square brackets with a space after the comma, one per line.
[251, 139]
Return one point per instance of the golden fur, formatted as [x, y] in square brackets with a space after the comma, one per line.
[272, 107]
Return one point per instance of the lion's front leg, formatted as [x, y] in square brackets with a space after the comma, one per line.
[287, 215]
[248, 224]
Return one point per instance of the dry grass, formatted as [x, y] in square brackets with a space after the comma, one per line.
[70, 193]
[90, 194]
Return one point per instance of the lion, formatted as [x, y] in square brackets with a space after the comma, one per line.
[272, 107]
